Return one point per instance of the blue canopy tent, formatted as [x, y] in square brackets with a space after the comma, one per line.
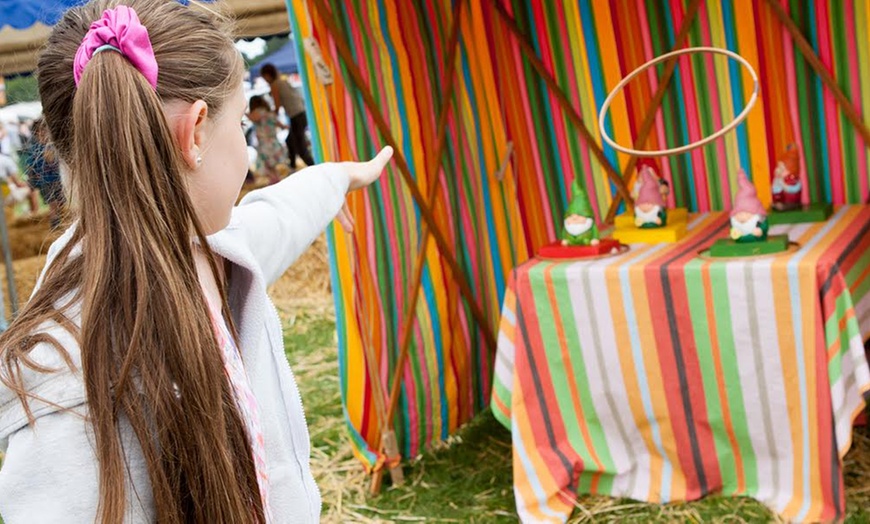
[284, 59]
[26, 24]
[21, 14]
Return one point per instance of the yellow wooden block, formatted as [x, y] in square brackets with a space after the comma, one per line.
[660, 235]
[675, 216]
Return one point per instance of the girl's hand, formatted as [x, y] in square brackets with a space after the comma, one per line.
[345, 219]
[362, 174]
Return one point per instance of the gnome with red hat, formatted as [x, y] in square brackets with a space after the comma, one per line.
[649, 206]
[786, 183]
[748, 217]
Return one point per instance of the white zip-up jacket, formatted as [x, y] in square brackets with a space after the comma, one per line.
[50, 472]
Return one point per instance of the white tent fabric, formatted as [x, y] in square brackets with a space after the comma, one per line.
[19, 48]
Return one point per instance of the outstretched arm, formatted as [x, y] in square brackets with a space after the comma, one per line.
[279, 222]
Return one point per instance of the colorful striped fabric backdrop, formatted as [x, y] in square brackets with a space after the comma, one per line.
[494, 224]
[589, 46]
[400, 51]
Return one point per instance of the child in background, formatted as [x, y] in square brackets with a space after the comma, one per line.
[18, 190]
[270, 151]
[145, 379]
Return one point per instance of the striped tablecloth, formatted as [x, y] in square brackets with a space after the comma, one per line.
[663, 376]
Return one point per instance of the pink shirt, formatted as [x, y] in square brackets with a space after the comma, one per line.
[245, 401]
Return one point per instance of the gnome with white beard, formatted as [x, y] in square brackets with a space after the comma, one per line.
[748, 217]
[649, 206]
[580, 228]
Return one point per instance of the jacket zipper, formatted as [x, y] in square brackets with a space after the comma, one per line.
[300, 405]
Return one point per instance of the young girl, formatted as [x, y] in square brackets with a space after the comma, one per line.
[270, 151]
[145, 380]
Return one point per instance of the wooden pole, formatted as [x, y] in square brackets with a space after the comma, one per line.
[810, 55]
[369, 101]
[446, 97]
[649, 118]
[529, 52]
[433, 168]
[388, 440]
[10, 275]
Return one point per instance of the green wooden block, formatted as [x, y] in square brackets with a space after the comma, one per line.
[725, 247]
[810, 213]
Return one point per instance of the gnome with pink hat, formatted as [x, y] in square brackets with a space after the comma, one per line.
[649, 206]
[748, 217]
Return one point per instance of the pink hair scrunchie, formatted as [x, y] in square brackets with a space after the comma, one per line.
[120, 30]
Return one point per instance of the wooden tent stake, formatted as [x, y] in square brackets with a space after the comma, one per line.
[388, 438]
[649, 118]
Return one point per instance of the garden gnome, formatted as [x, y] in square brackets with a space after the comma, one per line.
[786, 183]
[649, 206]
[580, 228]
[664, 187]
[748, 217]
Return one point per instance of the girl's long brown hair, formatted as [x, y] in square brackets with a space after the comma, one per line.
[149, 354]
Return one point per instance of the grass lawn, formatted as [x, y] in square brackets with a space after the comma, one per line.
[469, 478]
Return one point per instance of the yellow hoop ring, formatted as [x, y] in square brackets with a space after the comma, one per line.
[704, 141]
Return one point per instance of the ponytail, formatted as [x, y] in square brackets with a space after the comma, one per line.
[139, 221]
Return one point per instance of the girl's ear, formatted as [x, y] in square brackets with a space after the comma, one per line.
[189, 124]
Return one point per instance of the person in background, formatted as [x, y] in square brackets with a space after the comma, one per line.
[43, 173]
[288, 97]
[9, 175]
[25, 133]
[269, 148]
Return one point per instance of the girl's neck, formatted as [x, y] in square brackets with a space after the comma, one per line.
[207, 280]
